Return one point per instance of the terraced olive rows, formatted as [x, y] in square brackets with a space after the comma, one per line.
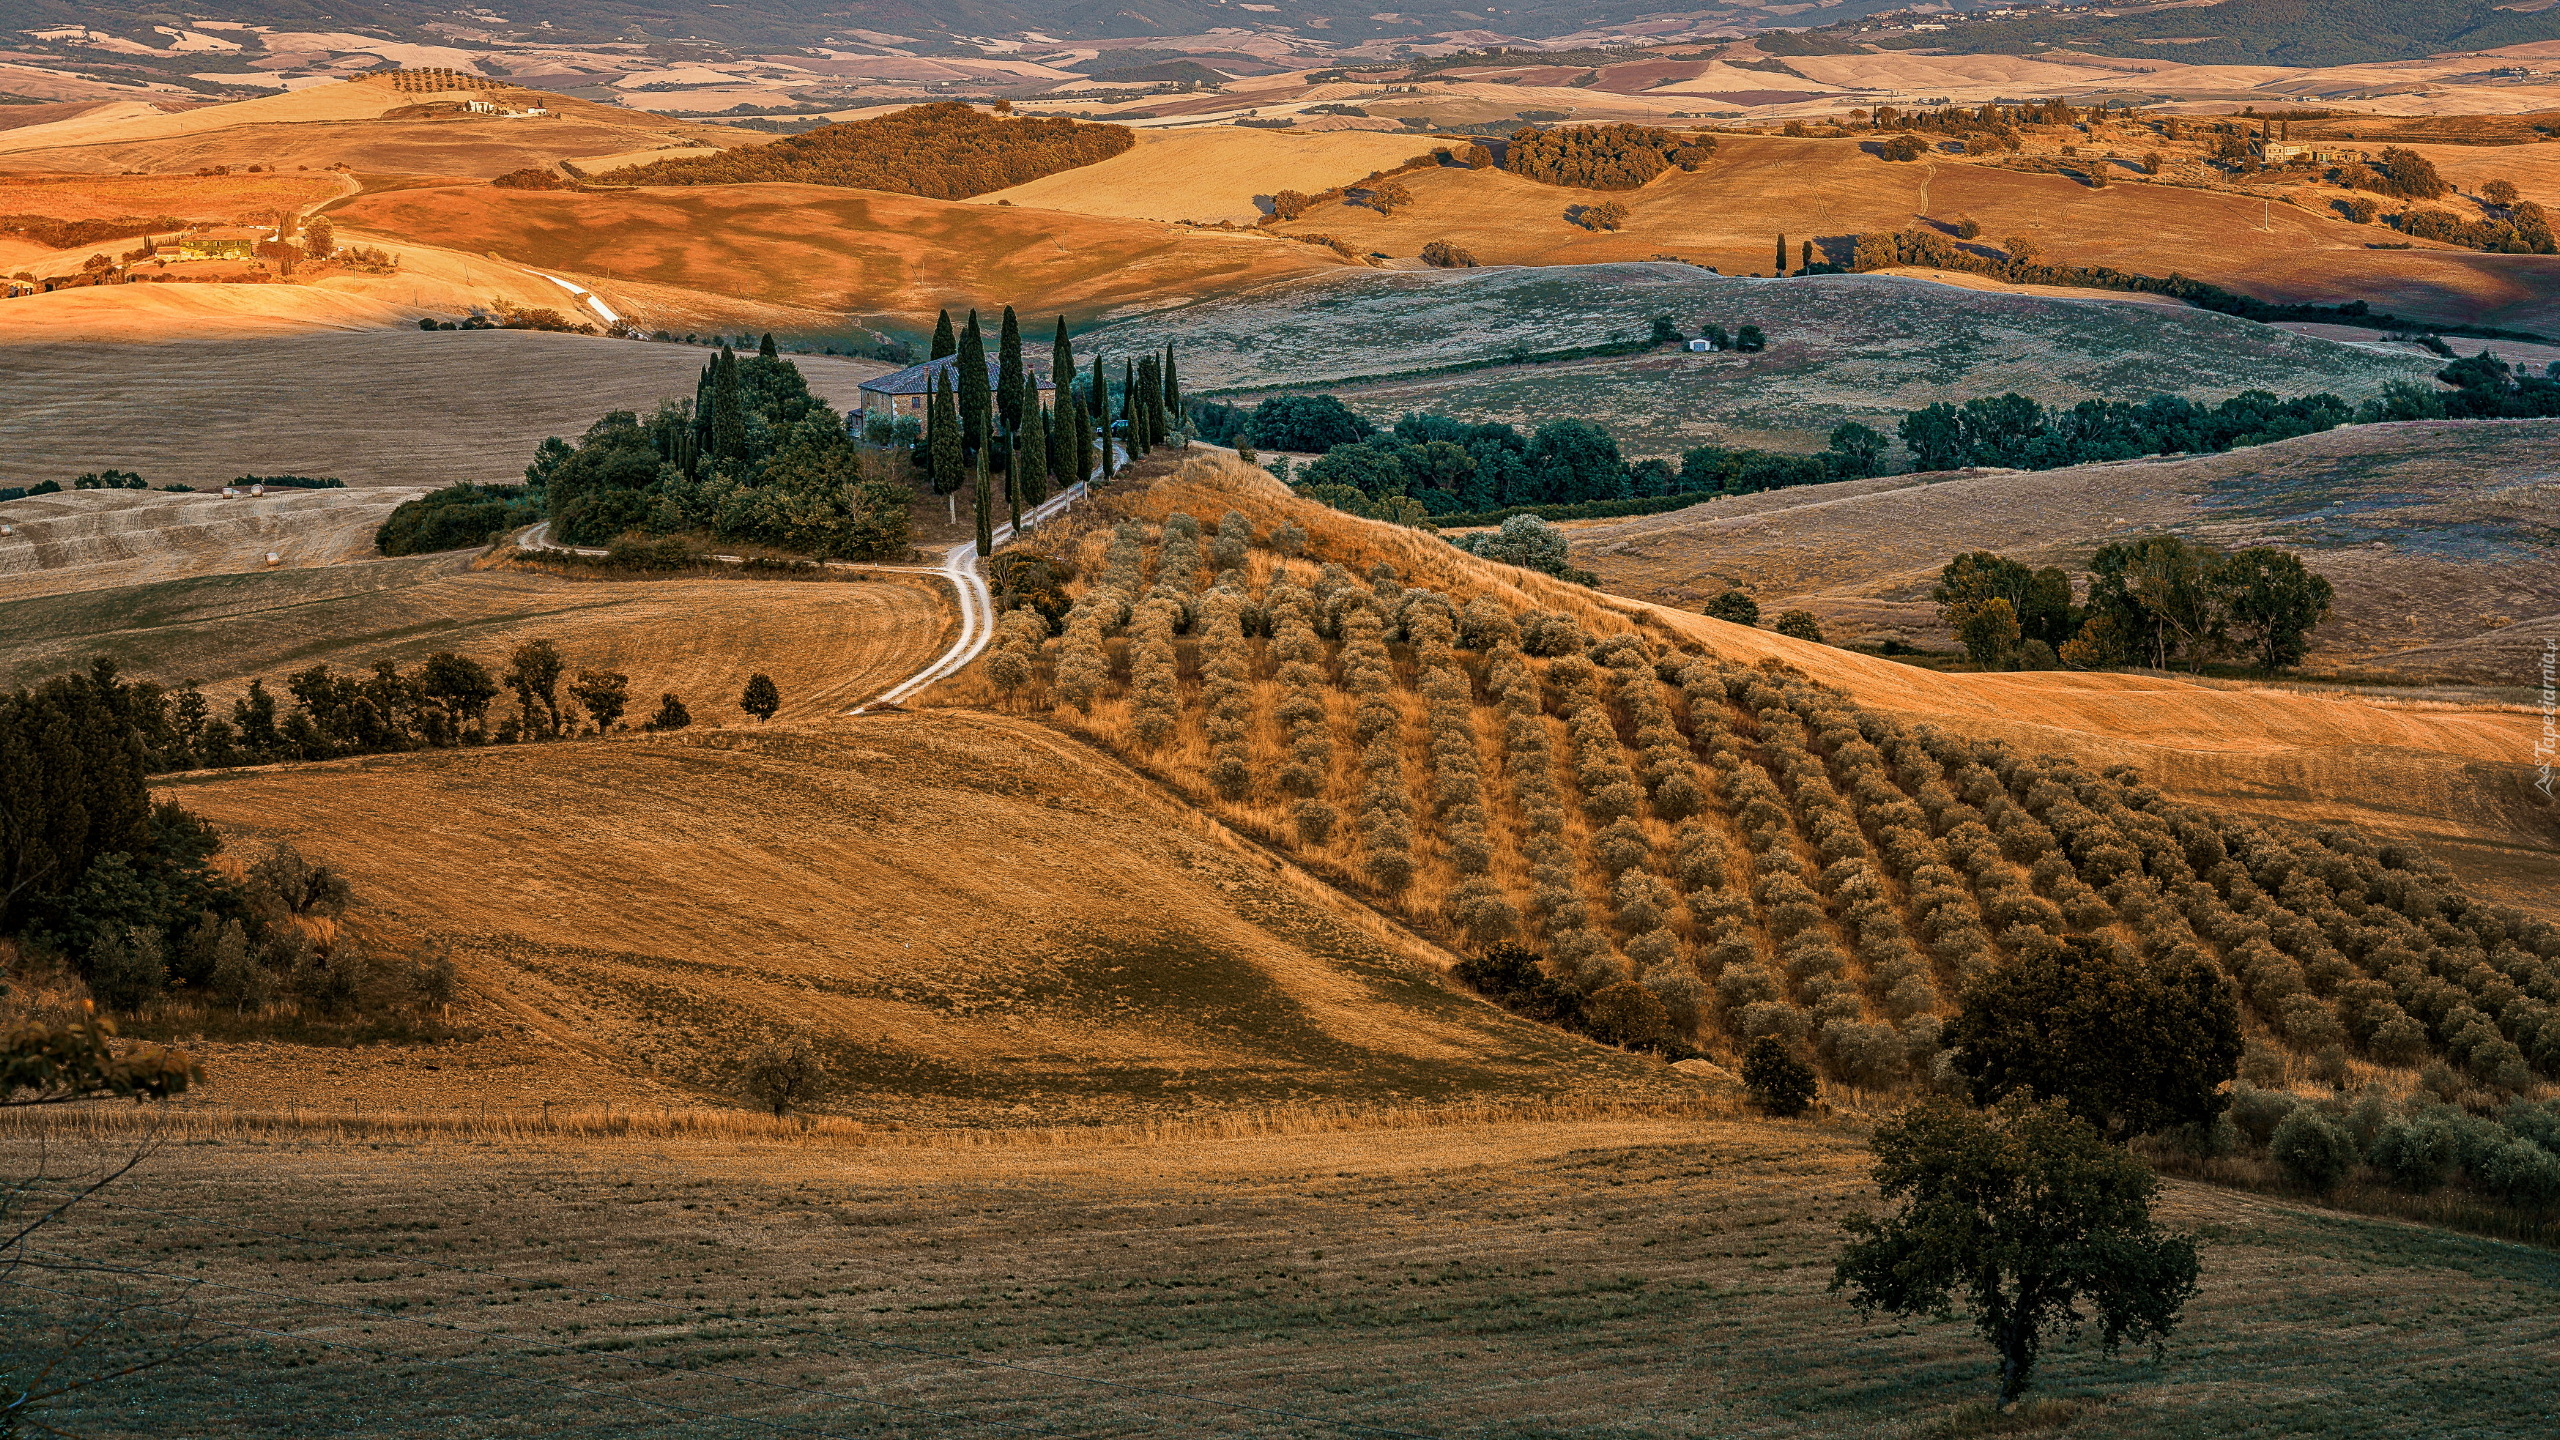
[1731, 851]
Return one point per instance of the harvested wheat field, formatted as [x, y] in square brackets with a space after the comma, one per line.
[228, 198]
[1728, 214]
[1088, 946]
[1212, 174]
[122, 125]
[88, 540]
[894, 258]
[1869, 348]
[1646, 1278]
[2434, 532]
[368, 128]
[827, 644]
[375, 407]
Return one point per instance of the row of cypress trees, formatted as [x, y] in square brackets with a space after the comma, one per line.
[996, 431]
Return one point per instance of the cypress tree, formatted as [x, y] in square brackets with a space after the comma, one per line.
[728, 409]
[765, 349]
[1172, 389]
[984, 503]
[1137, 440]
[1009, 372]
[1062, 434]
[944, 343]
[942, 441]
[1062, 369]
[1150, 400]
[1082, 450]
[975, 411]
[1782, 255]
[1808, 254]
[1031, 453]
[1097, 396]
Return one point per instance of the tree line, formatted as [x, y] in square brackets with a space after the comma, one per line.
[2153, 602]
[751, 456]
[945, 151]
[118, 887]
[2017, 432]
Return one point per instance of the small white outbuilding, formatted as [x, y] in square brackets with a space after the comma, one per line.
[1701, 347]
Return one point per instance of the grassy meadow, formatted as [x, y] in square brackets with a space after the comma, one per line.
[1868, 348]
[1628, 1278]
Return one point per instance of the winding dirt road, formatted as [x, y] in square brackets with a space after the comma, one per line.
[959, 566]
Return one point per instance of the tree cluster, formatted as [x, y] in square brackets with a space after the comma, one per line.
[93, 871]
[1603, 157]
[457, 517]
[2016, 432]
[946, 151]
[2162, 599]
[752, 456]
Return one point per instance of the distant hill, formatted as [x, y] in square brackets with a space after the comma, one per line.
[2258, 32]
[754, 24]
[948, 151]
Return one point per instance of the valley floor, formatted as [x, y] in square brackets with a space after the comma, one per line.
[1624, 1278]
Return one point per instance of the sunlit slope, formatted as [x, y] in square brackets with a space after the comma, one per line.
[889, 257]
[826, 645]
[965, 913]
[2433, 532]
[1730, 212]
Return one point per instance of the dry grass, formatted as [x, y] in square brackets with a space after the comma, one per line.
[827, 645]
[243, 198]
[350, 125]
[896, 258]
[1213, 174]
[1634, 1277]
[1758, 187]
[982, 919]
[2432, 532]
[384, 407]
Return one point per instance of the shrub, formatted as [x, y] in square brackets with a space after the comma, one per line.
[1797, 624]
[1775, 1079]
[1626, 1014]
[531, 178]
[1443, 255]
[2312, 1151]
[2416, 1156]
[2521, 1173]
[1732, 606]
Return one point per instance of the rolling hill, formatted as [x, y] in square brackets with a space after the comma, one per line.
[1729, 212]
[369, 128]
[1088, 947]
[1851, 347]
[893, 259]
[2435, 533]
[400, 407]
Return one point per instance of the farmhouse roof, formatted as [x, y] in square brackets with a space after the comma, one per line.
[918, 379]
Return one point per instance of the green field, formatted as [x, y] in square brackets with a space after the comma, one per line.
[1842, 347]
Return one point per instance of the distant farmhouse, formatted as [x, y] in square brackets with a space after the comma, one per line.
[909, 391]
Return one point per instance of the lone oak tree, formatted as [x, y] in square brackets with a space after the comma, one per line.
[2127, 1046]
[2023, 1215]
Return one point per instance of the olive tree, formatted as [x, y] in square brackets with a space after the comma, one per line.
[2028, 1220]
[2131, 1048]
